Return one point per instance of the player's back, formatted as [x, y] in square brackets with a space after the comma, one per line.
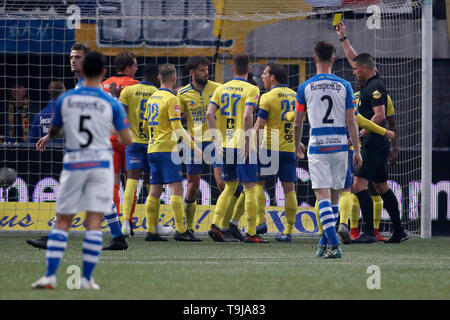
[134, 98]
[231, 98]
[326, 98]
[162, 108]
[86, 114]
[273, 106]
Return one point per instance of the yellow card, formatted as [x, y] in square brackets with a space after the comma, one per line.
[337, 18]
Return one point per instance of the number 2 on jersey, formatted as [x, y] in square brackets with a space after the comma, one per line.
[330, 106]
[285, 105]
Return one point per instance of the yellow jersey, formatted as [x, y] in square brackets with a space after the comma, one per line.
[231, 99]
[195, 104]
[390, 111]
[273, 107]
[134, 98]
[162, 108]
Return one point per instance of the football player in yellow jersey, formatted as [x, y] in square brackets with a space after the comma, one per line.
[134, 98]
[194, 102]
[235, 101]
[278, 143]
[164, 119]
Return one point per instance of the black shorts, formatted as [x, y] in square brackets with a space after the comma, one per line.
[375, 164]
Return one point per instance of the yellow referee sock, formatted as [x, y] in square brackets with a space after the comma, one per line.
[345, 206]
[176, 204]
[223, 202]
[229, 213]
[251, 208]
[239, 208]
[290, 211]
[377, 210]
[354, 217]
[260, 215]
[189, 212]
[152, 213]
[128, 198]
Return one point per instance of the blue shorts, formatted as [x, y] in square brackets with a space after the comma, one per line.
[162, 168]
[136, 157]
[197, 168]
[350, 170]
[283, 163]
[243, 172]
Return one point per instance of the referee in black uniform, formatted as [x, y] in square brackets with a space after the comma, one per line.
[375, 152]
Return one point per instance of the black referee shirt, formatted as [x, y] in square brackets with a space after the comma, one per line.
[373, 94]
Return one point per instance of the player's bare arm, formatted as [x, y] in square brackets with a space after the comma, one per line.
[212, 109]
[125, 137]
[352, 126]
[248, 124]
[298, 130]
[350, 53]
[259, 125]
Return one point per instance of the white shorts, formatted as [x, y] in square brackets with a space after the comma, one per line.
[328, 171]
[85, 190]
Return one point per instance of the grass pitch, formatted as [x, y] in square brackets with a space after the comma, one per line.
[415, 269]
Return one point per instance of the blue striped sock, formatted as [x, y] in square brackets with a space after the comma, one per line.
[92, 246]
[335, 208]
[323, 239]
[113, 222]
[56, 245]
[328, 221]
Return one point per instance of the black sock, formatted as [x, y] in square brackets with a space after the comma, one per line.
[366, 205]
[391, 204]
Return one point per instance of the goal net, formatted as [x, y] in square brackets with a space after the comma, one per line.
[35, 41]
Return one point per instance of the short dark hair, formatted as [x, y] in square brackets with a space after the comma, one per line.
[151, 71]
[279, 71]
[55, 88]
[324, 51]
[166, 71]
[124, 59]
[195, 61]
[93, 64]
[241, 63]
[365, 59]
[81, 46]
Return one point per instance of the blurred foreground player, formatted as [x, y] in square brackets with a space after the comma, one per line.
[86, 179]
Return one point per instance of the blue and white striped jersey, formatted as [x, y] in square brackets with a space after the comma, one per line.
[326, 98]
[86, 115]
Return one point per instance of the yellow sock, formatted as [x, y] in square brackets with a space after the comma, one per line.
[152, 213]
[223, 202]
[260, 215]
[128, 197]
[176, 204]
[251, 208]
[377, 210]
[239, 208]
[189, 212]
[345, 206]
[354, 217]
[229, 213]
[316, 211]
[290, 211]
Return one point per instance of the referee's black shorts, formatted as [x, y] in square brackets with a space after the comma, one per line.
[375, 164]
